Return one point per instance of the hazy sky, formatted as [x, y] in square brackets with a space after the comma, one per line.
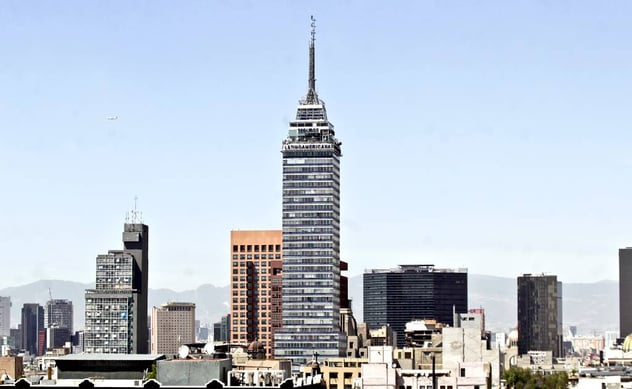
[492, 135]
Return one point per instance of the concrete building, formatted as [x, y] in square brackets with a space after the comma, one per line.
[172, 325]
[58, 320]
[58, 313]
[540, 314]
[397, 296]
[5, 316]
[256, 258]
[311, 233]
[116, 310]
[625, 292]
[33, 328]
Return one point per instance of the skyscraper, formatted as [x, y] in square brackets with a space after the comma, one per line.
[116, 310]
[58, 313]
[396, 296]
[172, 325]
[625, 291]
[255, 255]
[33, 328]
[539, 314]
[58, 316]
[5, 316]
[311, 233]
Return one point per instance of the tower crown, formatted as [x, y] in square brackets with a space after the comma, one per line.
[312, 96]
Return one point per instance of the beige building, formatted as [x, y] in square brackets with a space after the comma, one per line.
[255, 285]
[172, 325]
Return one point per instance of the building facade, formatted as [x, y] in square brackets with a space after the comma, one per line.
[116, 310]
[5, 316]
[625, 292]
[58, 317]
[172, 325]
[540, 314]
[255, 256]
[311, 234]
[58, 313]
[396, 296]
[32, 328]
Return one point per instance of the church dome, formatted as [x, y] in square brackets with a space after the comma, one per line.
[627, 344]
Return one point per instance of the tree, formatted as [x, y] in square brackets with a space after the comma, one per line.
[520, 378]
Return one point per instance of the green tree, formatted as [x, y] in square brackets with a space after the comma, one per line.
[152, 374]
[520, 378]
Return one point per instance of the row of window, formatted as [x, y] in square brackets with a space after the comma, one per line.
[262, 248]
[256, 256]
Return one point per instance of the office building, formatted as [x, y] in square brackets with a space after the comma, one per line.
[172, 325]
[311, 233]
[32, 328]
[540, 314]
[221, 330]
[413, 292]
[116, 310]
[255, 256]
[58, 313]
[625, 292]
[58, 316]
[5, 316]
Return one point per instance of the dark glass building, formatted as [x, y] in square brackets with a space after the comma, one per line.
[396, 296]
[539, 314]
[625, 291]
[32, 327]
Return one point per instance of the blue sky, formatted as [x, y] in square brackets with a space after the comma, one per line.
[491, 135]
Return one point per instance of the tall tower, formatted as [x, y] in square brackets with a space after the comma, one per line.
[311, 233]
[33, 328]
[5, 316]
[540, 314]
[625, 292]
[116, 310]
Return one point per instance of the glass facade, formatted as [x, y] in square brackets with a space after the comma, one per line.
[397, 296]
[311, 235]
[311, 239]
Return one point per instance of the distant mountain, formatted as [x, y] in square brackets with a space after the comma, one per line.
[211, 302]
[592, 307]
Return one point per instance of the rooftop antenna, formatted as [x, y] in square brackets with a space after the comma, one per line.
[312, 97]
[134, 216]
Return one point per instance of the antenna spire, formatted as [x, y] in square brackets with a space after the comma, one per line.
[312, 97]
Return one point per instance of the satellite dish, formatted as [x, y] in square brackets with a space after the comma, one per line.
[183, 351]
[208, 348]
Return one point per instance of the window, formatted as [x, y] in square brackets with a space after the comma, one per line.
[234, 247]
[462, 372]
[249, 248]
[256, 247]
[242, 248]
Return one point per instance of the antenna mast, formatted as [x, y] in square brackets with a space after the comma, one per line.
[312, 97]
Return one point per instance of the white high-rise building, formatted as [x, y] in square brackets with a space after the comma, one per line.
[5, 316]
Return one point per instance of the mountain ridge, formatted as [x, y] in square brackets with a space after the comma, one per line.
[592, 307]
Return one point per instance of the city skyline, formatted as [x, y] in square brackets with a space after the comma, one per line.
[499, 134]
